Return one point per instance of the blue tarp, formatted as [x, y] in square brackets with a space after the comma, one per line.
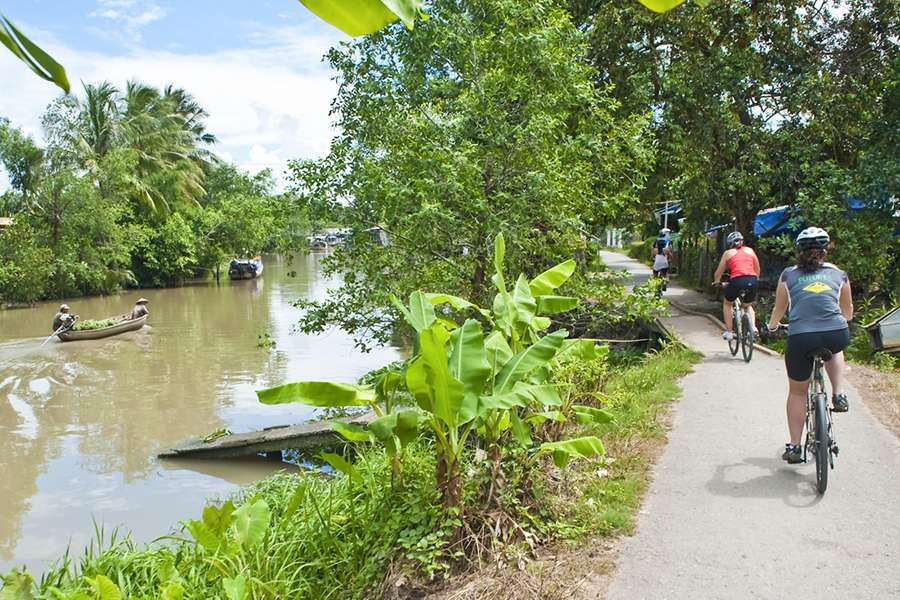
[775, 221]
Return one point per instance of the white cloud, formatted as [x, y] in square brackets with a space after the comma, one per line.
[267, 104]
[128, 16]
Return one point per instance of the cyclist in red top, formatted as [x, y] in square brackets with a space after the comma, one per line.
[743, 267]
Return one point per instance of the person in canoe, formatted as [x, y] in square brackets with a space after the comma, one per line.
[140, 309]
[62, 317]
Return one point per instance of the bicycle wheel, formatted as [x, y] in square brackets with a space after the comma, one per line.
[823, 444]
[735, 342]
[746, 337]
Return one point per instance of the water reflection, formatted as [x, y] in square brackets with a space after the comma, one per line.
[81, 422]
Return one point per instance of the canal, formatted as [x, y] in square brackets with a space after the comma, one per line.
[81, 422]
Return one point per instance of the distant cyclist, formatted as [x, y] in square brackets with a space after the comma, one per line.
[661, 254]
[743, 268]
[818, 294]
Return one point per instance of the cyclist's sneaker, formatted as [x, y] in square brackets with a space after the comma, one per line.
[727, 336]
[792, 454]
[839, 403]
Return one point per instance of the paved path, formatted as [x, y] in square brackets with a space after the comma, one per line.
[726, 518]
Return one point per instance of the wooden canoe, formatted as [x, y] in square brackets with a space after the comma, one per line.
[123, 326]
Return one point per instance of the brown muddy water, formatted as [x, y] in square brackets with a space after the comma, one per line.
[81, 422]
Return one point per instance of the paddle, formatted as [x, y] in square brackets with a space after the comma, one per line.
[68, 324]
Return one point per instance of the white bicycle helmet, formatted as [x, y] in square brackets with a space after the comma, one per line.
[813, 237]
[733, 238]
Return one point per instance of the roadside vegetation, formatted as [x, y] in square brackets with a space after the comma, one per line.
[487, 448]
[126, 192]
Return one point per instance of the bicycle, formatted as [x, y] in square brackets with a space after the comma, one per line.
[743, 336]
[820, 440]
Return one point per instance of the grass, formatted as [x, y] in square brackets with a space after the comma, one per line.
[605, 500]
[328, 537]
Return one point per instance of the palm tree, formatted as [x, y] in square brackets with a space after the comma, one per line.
[164, 140]
[100, 117]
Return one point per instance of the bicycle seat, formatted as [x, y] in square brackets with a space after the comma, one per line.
[824, 353]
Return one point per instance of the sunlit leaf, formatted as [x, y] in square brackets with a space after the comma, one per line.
[350, 432]
[172, 591]
[565, 450]
[403, 424]
[552, 278]
[497, 350]
[17, 585]
[551, 305]
[342, 465]
[469, 363]
[251, 520]
[104, 588]
[428, 377]
[523, 300]
[353, 17]
[218, 519]
[32, 55]
[591, 414]
[323, 394]
[661, 6]
[235, 587]
[296, 500]
[529, 359]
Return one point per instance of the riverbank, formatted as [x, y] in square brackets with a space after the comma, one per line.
[358, 538]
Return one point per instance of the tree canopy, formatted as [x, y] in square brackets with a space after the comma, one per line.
[484, 119]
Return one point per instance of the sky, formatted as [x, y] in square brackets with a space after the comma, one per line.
[255, 66]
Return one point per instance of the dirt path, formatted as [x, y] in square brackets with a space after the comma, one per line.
[726, 518]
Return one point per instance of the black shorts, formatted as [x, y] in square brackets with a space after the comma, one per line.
[660, 272]
[797, 354]
[745, 282]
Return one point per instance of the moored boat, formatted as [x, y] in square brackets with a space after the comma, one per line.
[245, 268]
[123, 324]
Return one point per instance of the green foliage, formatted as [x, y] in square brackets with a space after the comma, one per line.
[759, 105]
[42, 64]
[166, 252]
[343, 533]
[26, 267]
[126, 193]
[362, 17]
[452, 132]
[467, 382]
[89, 325]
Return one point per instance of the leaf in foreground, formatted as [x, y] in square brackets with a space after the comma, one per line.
[32, 55]
[565, 450]
[324, 394]
[362, 17]
[235, 587]
[250, 523]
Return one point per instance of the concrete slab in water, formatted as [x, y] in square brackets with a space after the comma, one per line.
[298, 437]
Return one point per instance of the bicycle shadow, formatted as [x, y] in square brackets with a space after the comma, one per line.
[788, 483]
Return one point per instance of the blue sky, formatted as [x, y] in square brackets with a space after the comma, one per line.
[255, 66]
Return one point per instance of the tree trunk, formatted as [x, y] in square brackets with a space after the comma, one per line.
[449, 483]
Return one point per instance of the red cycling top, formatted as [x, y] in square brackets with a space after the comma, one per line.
[741, 263]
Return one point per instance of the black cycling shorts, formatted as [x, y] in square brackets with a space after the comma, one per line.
[745, 282]
[798, 353]
[660, 272]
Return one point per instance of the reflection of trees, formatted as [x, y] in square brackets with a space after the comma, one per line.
[125, 398]
[22, 459]
[121, 400]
